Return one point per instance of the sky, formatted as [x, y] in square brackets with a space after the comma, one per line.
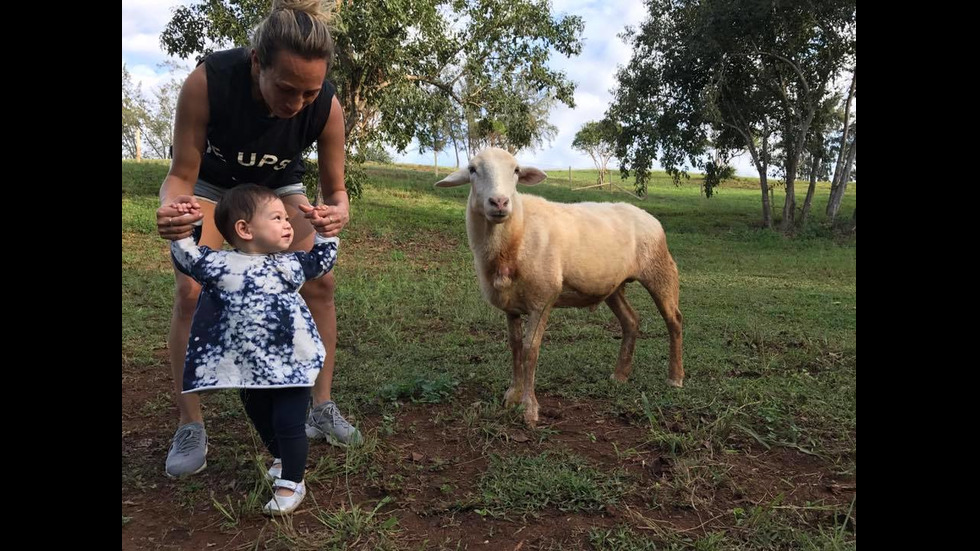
[593, 72]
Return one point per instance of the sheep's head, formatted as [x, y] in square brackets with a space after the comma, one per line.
[494, 174]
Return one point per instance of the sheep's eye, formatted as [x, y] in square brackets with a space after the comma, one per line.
[517, 170]
[472, 170]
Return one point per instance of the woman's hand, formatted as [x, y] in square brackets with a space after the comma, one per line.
[327, 220]
[175, 219]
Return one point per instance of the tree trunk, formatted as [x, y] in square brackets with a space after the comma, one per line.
[766, 205]
[456, 149]
[761, 166]
[766, 208]
[139, 145]
[836, 181]
[815, 166]
[349, 102]
[470, 133]
[605, 171]
[598, 166]
[837, 195]
[789, 207]
[792, 165]
[435, 161]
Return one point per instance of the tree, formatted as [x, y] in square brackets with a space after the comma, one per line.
[135, 112]
[153, 121]
[515, 118]
[718, 167]
[714, 174]
[160, 124]
[842, 176]
[843, 168]
[814, 160]
[435, 133]
[754, 72]
[376, 153]
[398, 62]
[598, 139]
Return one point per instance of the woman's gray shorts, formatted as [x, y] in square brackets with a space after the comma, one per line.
[213, 193]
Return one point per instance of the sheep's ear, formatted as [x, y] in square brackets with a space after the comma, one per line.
[530, 176]
[458, 178]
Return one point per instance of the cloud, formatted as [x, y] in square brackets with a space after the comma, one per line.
[142, 23]
[147, 16]
[148, 78]
[142, 43]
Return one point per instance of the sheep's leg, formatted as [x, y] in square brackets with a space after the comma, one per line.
[536, 322]
[665, 291]
[631, 323]
[513, 395]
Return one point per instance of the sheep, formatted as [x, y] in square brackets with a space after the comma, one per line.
[532, 255]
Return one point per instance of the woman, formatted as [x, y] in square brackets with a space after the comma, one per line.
[245, 116]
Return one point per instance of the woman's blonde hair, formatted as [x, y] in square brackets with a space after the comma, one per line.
[297, 26]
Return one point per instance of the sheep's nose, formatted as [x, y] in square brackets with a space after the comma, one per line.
[500, 202]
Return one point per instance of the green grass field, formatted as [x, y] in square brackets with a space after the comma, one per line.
[770, 354]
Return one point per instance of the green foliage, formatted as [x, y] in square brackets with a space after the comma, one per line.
[153, 119]
[376, 153]
[135, 112]
[729, 76]
[401, 62]
[354, 177]
[714, 175]
[598, 139]
[427, 390]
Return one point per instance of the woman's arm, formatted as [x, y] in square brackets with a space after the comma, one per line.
[335, 213]
[190, 137]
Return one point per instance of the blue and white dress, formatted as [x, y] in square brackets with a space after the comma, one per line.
[251, 328]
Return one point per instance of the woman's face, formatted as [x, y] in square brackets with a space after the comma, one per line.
[290, 83]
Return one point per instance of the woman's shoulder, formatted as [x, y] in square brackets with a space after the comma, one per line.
[321, 108]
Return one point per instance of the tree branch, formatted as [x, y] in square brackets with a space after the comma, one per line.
[444, 87]
[806, 87]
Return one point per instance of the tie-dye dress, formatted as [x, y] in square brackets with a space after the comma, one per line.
[251, 328]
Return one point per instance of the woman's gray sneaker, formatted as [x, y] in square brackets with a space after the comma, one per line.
[188, 451]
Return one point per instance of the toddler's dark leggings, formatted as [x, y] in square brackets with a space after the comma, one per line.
[279, 416]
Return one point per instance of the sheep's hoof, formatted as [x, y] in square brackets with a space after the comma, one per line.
[512, 397]
[678, 384]
[619, 378]
[531, 415]
[531, 423]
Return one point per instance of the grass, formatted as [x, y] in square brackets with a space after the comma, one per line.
[770, 354]
[349, 527]
[420, 389]
[524, 484]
